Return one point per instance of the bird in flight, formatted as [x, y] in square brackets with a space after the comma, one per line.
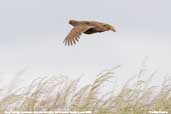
[86, 27]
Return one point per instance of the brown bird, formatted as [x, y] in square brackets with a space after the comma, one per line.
[87, 27]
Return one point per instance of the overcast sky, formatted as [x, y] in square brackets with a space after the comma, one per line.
[32, 34]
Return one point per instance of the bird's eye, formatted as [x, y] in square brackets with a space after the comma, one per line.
[106, 26]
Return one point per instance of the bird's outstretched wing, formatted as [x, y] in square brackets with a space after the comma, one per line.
[75, 33]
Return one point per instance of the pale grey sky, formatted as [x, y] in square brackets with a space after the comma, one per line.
[32, 32]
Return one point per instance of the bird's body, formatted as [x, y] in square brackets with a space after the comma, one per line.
[87, 27]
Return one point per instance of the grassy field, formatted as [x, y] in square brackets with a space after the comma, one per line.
[63, 94]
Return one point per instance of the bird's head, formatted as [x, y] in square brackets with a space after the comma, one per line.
[109, 27]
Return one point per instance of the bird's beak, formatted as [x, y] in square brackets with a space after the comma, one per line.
[112, 29]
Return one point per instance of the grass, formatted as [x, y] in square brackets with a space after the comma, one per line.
[63, 94]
